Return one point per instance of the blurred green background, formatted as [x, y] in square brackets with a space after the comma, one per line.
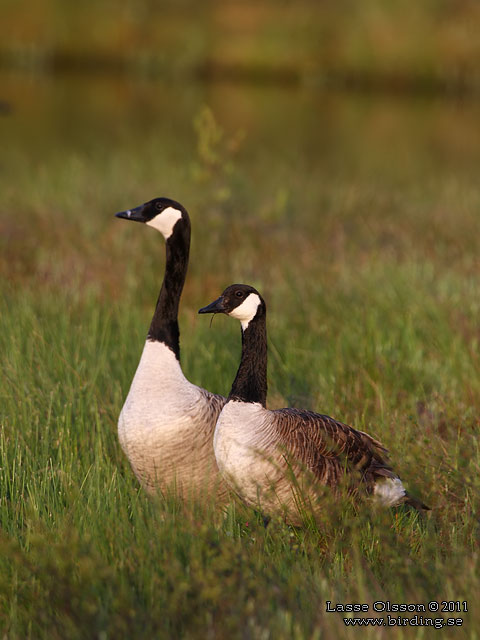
[328, 154]
[330, 92]
[432, 43]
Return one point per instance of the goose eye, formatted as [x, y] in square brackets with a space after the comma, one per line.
[158, 206]
[239, 294]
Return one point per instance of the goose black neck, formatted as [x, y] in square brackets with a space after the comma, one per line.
[164, 325]
[250, 384]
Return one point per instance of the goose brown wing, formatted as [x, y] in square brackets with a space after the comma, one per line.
[330, 448]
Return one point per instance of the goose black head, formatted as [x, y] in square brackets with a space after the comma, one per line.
[160, 213]
[239, 301]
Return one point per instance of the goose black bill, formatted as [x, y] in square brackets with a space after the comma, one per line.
[137, 214]
[217, 306]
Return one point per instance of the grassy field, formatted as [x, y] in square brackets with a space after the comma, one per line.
[359, 223]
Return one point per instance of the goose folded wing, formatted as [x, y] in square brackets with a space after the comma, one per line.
[329, 448]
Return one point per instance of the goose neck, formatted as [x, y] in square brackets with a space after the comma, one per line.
[250, 384]
[164, 326]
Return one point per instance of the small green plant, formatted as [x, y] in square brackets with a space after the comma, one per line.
[214, 169]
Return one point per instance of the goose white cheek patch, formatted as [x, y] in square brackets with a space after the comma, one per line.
[165, 221]
[247, 310]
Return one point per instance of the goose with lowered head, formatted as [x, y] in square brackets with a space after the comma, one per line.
[167, 423]
[258, 450]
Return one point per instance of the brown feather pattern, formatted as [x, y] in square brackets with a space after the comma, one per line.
[329, 448]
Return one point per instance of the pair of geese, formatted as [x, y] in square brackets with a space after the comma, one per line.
[177, 434]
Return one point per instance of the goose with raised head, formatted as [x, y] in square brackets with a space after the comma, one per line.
[166, 425]
[258, 449]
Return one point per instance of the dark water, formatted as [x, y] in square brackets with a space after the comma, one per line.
[303, 128]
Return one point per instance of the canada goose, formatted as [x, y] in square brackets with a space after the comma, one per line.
[257, 450]
[166, 425]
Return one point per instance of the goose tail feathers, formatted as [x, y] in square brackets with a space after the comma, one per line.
[415, 503]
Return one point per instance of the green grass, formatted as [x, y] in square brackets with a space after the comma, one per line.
[362, 234]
